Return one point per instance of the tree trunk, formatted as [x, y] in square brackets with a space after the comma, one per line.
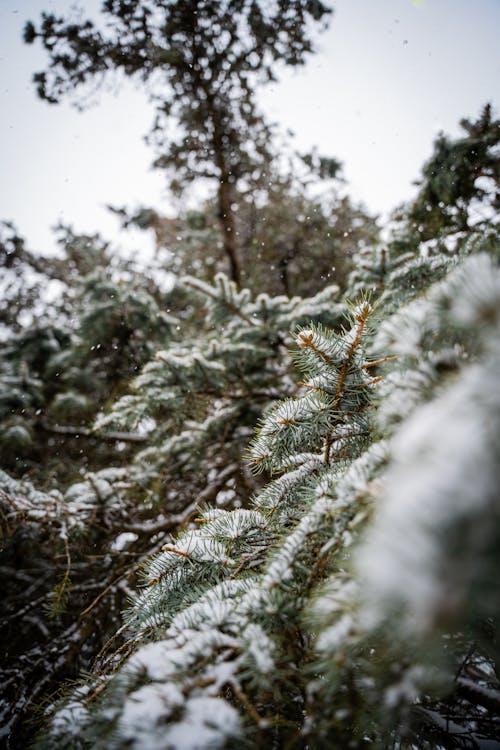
[225, 194]
[226, 218]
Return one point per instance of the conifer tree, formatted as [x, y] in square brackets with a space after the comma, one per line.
[78, 537]
[330, 583]
[296, 235]
[204, 59]
[207, 593]
[63, 357]
[459, 189]
[272, 625]
[81, 328]
[203, 396]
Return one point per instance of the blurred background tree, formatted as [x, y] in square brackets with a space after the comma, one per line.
[76, 328]
[202, 61]
[296, 234]
[459, 191]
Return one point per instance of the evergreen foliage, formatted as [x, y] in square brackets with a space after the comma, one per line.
[203, 59]
[134, 474]
[73, 346]
[295, 234]
[459, 190]
[201, 398]
[238, 519]
[461, 181]
[351, 603]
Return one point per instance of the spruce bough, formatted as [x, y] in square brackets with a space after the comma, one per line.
[350, 603]
[336, 587]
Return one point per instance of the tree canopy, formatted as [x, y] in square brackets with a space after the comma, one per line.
[293, 240]
[460, 184]
[293, 501]
[202, 61]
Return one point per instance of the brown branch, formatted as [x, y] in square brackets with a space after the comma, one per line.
[377, 362]
[167, 548]
[59, 429]
[306, 341]
[361, 318]
[179, 519]
[103, 593]
[240, 695]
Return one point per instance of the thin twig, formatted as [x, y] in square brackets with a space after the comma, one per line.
[103, 593]
[117, 435]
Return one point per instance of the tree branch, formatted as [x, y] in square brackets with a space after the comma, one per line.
[127, 437]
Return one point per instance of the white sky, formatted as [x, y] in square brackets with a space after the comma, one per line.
[388, 76]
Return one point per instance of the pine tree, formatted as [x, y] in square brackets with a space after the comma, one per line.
[66, 353]
[85, 328]
[133, 475]
[295, 235]
[459, 189]
[330, 583]
[203, 60]
[224, 595]
[274, 625]
[202, 397]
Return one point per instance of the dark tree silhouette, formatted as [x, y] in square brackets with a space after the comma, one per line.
[202, 61]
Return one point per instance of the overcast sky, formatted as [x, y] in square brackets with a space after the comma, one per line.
[388, 76]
